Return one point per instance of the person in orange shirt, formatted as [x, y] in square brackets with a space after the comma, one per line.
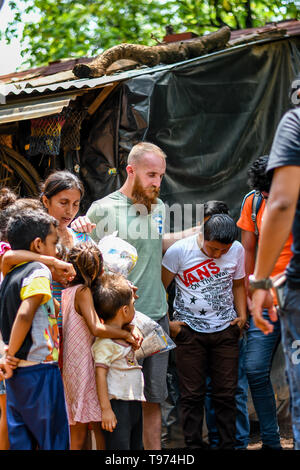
[260, 347]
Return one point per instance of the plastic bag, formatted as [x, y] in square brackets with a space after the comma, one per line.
[121, 257]
[118, 255]
[156, 340]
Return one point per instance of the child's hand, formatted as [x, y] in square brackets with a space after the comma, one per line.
[11, 361]
[175, 327]
[239, 321]
[109, 420]
[6, 371]
[131, 340]
[63, 272]
[135, 337]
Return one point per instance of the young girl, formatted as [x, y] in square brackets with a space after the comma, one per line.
[61, 194]
[80, 326]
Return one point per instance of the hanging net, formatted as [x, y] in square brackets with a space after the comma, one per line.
[70, 135]
[45, 135]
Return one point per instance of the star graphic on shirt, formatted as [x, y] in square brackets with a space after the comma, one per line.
[193, 300]
[202, 312]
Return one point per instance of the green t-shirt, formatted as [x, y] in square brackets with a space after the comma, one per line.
[144, 231]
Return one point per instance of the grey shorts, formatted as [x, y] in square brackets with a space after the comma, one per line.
[155, 371]
[2, 388]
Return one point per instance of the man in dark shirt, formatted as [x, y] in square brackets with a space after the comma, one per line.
[283, 214]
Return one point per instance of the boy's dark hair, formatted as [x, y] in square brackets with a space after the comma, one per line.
[215, 207]
[113, 293]
[221, 228]
[257, 177]
[28, 225]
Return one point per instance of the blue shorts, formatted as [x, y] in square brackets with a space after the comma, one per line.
[2, 388]
[36, 410]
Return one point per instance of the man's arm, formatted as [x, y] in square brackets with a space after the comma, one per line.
[276, 227]
[170, 238]
[249, 242]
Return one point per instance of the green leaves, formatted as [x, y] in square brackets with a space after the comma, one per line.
[58, 29]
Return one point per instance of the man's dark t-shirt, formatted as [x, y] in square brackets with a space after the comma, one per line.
[286, 152]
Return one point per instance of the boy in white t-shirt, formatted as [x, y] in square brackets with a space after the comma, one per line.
[209, 313]
[119, 377]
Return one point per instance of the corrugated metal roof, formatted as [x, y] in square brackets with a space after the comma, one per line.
[58, 76]
[33, 109]
[292, 27]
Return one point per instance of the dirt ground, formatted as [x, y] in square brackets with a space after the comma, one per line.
[285, 433]
[175, 439]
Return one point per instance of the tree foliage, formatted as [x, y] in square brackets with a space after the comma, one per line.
[68, 28]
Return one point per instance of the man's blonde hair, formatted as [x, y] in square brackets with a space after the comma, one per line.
[140, 149]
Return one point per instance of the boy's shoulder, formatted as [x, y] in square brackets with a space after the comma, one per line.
[184, 243]
[237, 246]
[36, 269]
[107, 350]
[236, 251]
[25, 271]
[104, 344]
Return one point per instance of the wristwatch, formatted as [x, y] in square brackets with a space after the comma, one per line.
[264, 284]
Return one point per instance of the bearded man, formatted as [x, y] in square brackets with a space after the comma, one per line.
[138, 215]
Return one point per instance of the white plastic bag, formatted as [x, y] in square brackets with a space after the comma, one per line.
[156, 340]
[121, 257]
[118, 255]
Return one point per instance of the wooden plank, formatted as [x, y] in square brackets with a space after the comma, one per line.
[104, 93]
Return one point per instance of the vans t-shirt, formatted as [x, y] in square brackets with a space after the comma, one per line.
[203, 296]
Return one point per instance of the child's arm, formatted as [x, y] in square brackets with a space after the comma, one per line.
[240, 302]
[109, 420]
[23, 322]
[84, 305]
[167, 277]
[63, 271]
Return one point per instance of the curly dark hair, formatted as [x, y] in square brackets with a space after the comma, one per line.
[7, 197]
[88, 263]
[258, 179]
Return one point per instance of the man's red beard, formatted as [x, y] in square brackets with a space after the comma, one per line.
[145, 197]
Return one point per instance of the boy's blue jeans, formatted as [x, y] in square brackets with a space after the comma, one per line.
[241, 397]
[259, 354]
[290, 330]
